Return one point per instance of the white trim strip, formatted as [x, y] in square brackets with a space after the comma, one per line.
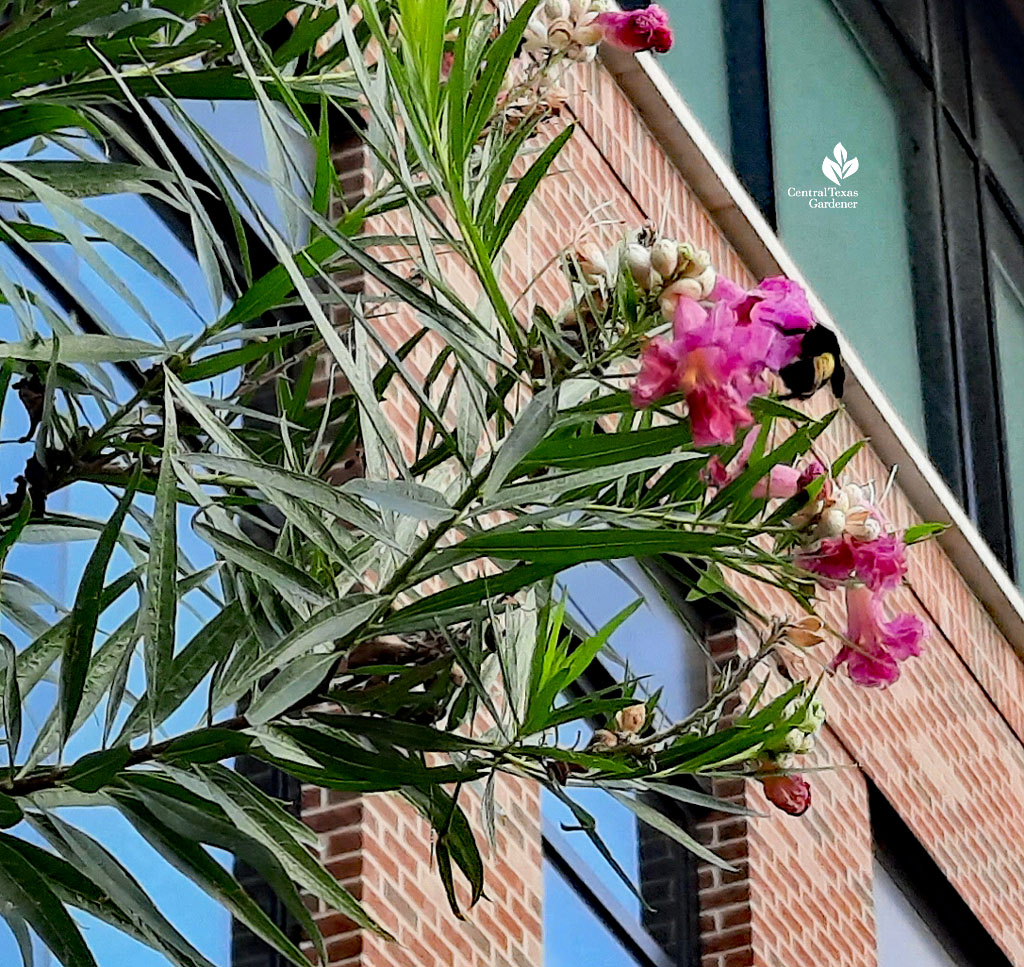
[713, 181]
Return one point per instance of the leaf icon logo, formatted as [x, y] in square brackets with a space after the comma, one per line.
[840, 165]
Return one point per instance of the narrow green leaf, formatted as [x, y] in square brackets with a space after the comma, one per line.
[10, 811]
[11, 699]
[161, 599]
[921, 532]
[193, 861]
[646, 813]
[567, 546]
[207, 745]
[525, 187]
[97, 769]
[31, 897]
[294, 682]
[530, 428]
[86, 612]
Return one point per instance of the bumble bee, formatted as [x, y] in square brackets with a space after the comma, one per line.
[819, 363]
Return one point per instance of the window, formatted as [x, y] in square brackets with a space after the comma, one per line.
[920, 918]
[903, 937]
[858, 260]
[591, 915]
[922, 275]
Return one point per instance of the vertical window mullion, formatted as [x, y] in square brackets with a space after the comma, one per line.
[749, 115]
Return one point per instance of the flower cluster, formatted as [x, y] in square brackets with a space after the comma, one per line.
[726, 341]
[784, 788]
[574, 28]
[849, 542]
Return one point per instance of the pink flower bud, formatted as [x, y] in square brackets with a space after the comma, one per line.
[792, 794]
[637, 30]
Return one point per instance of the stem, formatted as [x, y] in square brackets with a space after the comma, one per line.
[38, 781]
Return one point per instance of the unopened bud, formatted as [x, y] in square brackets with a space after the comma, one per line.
[631, 719]
[576, 52]
[832, 523]
[560, 34]
[862, 525]
[602, 739]
[638, 260]
[806, 746]
[665, 257]
[670, 295]
[535, 37]
[577, 8]
[557, 9]
[591, 263]
[588, 34]
[707, 280]
[794, 740]
[807, 632]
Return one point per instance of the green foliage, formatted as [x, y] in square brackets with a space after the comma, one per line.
[400, 632]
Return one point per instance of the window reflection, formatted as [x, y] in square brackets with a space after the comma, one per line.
[573, 933]
[903, 936]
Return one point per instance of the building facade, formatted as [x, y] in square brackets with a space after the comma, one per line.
[911, 853]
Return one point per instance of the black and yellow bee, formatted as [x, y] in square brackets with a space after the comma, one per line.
[819, 363]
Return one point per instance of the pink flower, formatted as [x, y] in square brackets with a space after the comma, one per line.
[659, 373]
[636, 30]
[833, 560]
[717, 361]
[778, 308]
[792, 794]
[881, 563]
[878, 646]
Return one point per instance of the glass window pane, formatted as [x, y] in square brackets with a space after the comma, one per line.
[696, 66]
[1008, 306]
[824, 93]
[617, 826]
[903, 937]
[653, 641]
[573, 934]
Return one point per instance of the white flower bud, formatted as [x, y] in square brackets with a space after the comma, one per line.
[577, 8]
[707, 280]
[588, 34]
[665, 257]
[806, 745]
[535, 37]
[638, 261]
[632, 719]
[785, 761]
[591, 263]
[576, 52]
[557, 9]
[831, 524]
[670, 295]
[560, 34]
[701, 259]
[794, 740]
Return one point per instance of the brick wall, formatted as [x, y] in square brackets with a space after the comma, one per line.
[944, 744]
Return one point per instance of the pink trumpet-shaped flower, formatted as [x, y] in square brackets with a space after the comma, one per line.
[637, 30]
[792, 794]
[778, 306]
[877, 646]
[879, 563]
